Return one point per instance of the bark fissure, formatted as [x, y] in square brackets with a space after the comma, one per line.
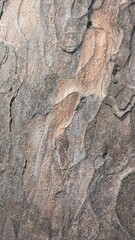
[13, 99]
[2, 7]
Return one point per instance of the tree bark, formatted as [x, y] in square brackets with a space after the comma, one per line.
[67, 120]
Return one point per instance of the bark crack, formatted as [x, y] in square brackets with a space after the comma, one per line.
[11, 105]
[120, 112]
[1, 13]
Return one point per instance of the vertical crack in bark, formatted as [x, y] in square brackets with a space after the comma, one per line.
[130, 47]
[11, 105]
[2, 7]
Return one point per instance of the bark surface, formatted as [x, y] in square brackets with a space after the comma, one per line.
[67, 120]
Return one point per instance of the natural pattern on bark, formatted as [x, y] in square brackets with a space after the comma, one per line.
[67, 120]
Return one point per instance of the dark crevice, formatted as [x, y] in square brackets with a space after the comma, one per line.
[116, 69]
[105, 153]
[40, 114]
[83, 100]
[89, 24]
[24, 168]
[11, 105]
[10, 113]
[120, 113]
[81, 103]
[70, 50]
[1, 14]
[132, 3]
[115, 73]
[130, 47]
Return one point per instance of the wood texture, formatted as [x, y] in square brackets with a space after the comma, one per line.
[67, 120]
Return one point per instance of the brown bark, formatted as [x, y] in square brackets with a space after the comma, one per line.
[67, 120]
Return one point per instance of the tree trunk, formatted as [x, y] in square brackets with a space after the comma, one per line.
[67, 120]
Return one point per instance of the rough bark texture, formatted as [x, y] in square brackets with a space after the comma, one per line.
[67, 120]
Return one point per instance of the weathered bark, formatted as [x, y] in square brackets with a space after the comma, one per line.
[67, 119]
